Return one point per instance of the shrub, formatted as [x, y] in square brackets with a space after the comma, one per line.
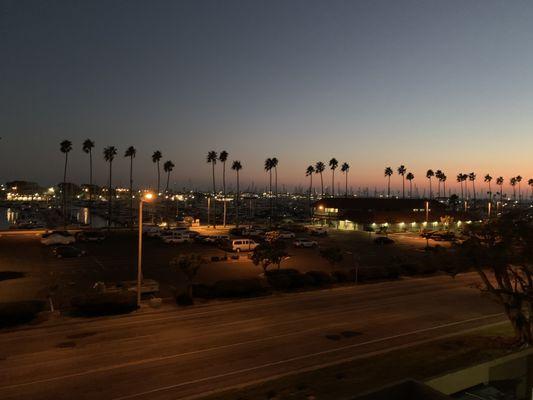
[286, 279]
[342, 276]
[418, 269]
[202, 291]
[97, 304]
[320, 278]
[240, 288]
[20, 312]
[183, 299]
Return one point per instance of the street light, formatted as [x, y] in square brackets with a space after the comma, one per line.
[146, 197]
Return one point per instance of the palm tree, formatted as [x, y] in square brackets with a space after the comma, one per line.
[499, 182]
[345, 168]
[88, 146]
[319, 168]
[268, 168]
[438, 175]
[275, 163]
[460, 180]
[131, 152]
[464, 177]
[237, 166]
[309, 172]
[488, 179]
[156, 157]
[443, 179]
[512, 181]
[333, 164]
[388, 173]
[410, 176]
[401, 171]
[530, 183]
[168, 166]
[65, 147]
[223, 157]
[472, 178]
[519, 180]
[430, 174]
[212, 159]
[109, 155]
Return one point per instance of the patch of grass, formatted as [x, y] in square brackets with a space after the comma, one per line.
[351, 378]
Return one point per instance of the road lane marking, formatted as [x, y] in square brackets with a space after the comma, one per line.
[297, 358]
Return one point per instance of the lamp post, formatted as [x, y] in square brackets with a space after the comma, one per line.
[144, 197]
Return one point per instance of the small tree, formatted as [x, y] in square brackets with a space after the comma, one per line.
[268, 253]
[189, 265]
[333, 255]
[501, 252]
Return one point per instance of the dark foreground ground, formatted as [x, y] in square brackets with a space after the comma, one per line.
[182, 353]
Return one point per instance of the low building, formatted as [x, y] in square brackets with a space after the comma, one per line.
[378, 213]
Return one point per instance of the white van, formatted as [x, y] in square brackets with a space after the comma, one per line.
[239, 245]
[173, 236]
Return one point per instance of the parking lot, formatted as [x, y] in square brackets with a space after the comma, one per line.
[115, 259]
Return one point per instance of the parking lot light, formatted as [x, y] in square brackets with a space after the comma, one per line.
[146, 197]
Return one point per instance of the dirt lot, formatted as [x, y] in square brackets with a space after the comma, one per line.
[116, 259]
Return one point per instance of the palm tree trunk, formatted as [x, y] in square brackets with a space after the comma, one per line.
[474, 190]
[430, 191]
[388, 187]
[333, 183]
[403, 187]
[214, 197]
[131, 192]
[110, 197]
[310, 191]
[410, 189]
[158, 178]
[270, 191]
[321, 186]
[275, 190]
[501, 193]
[90, 187]
[346, 184]
[224, 191]
[65, 191]
[462, 192]
[238, 202]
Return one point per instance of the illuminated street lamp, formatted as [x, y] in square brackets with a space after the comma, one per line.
[146, 197]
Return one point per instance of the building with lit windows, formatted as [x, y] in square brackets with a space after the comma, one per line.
[378, 213]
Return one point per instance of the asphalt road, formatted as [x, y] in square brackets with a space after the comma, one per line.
[177, 354]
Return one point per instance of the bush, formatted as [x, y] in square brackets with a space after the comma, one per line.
[319, 278]
[183, 299]
[378, 273]
[20, 312]
[98, 304]
[202, 291]
[418, 269]
[286, 279]
[250, 287]
[341, 276]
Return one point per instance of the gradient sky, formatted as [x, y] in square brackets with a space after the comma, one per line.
[430, 84]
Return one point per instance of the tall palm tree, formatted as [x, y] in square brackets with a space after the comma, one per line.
[410, 176]
[268, 168]
[156, 158]
[519, 180]
[442, 179]
[168, 166]
[319, 168]
[65, 147]
[488, 179]
[513, 182]
[88, 146]
[223, 157]
[309, 172]
[275, 163]
[499, 182]
[109, 155]
[237, 166]
[333, 164]
[401, 171]
[460, 180]
[345, 168]
[212, 159]
[430, 174]
[472, 178]
[530, 183]
[388, 173]
[438, 175]
[131, 152]
[464, 178]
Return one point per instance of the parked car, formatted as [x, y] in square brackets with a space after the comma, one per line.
[318, 231]
[68, 252]
[90, 236]
[215, 238]
[173, 236]
[57, 237]
[244, 244]
[151, 231]
[305, 243]
[381, 240]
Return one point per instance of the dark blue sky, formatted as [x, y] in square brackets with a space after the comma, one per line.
[431, 84]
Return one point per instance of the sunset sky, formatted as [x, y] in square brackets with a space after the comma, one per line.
[429, 84]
